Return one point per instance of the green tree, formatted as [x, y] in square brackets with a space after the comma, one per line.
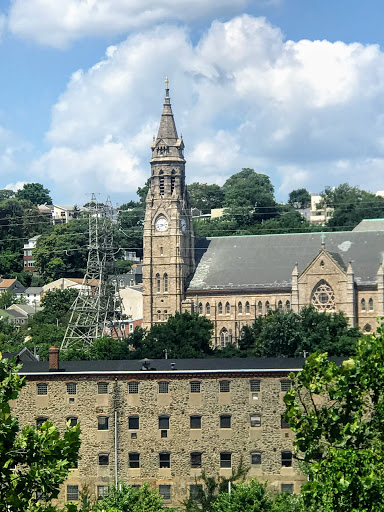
[205, 197]
[250, 196]
[290, 334]
[8, 298]
[33, 461]
[183, 335]
[125, 498]
[250, 496]
[337, 415]
[351, 205]
[11, 338]
[6, 194]
[63, 251]
[300, 198]
[35, 193]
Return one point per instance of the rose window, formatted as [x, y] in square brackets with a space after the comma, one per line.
[323, 298]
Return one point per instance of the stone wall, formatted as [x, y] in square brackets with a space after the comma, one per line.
[179, 404]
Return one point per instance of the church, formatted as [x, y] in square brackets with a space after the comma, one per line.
[233, 279]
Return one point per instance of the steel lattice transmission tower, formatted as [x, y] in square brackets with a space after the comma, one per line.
[111, 303]
[93, 309]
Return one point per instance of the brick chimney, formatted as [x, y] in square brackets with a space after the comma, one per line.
[53, 359]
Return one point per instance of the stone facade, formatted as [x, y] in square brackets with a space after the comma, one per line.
[111, 394]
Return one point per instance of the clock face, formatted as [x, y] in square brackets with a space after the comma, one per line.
[161, 223]
[183, 224]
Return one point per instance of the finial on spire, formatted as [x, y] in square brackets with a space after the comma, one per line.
[166, 83]
[323, 240]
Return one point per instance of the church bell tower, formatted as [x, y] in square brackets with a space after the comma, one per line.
[168, 233]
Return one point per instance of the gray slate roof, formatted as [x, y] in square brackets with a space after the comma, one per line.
[267, 261]
[164, 365]
[370, 225]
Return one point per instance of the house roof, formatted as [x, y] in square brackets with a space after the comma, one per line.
[6, 283]
[25, 309]
[267, 261]
[34, 289]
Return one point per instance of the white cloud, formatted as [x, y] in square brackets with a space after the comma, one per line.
[59, 23]
[308, 113]
[15, 186]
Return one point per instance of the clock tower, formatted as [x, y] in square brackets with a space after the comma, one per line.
[168, 234]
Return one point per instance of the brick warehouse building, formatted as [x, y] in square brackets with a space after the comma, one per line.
[165, 421]
[233, 279]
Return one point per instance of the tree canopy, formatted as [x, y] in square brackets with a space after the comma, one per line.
[300, 198]
[351, 205]
[206, 197]
[337, 414]
[35, 193]
[290, 334]
[33, 461]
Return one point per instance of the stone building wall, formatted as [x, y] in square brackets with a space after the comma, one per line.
[179, 403]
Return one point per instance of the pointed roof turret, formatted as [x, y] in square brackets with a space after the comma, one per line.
[167, 128]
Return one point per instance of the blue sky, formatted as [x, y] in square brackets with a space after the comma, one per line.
[292, 88]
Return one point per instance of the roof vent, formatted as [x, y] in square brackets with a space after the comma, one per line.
[173, 366]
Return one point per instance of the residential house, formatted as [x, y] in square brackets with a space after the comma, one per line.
[28, 258]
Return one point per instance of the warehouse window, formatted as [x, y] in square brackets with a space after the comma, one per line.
[225, 386]
[256, 458]
[225, 460]
[134, 460]
[71, 388]
[196, 460]
[286, 459]
[72, 492]
[102, 423]
[163, 387]
[285, 385]
[102, 388]
[42, 388]
[225, 421]
[133, 387]
[165, 491]
[195, 386]
[133, 422]
[195, 421]
[255, 420]
[103, 459]
[164, 460]
[254, 385]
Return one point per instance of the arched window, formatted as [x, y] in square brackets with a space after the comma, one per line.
[159, 314]
[280, 305]
[362, 305]
[240, 308]
[220, 308]
[200, 308]
[224, 337]
[259, 308]
[161, 183]
[207, 308]
[173, 181]
[288, 305]
[247, 308]
[323, 297]
[158, 283]
[367, 328]
[165, 314]
[227, 308]
[165, 282]
[267, 307]
[370, 303]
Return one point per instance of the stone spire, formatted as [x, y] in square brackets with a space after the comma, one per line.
[167, 128]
